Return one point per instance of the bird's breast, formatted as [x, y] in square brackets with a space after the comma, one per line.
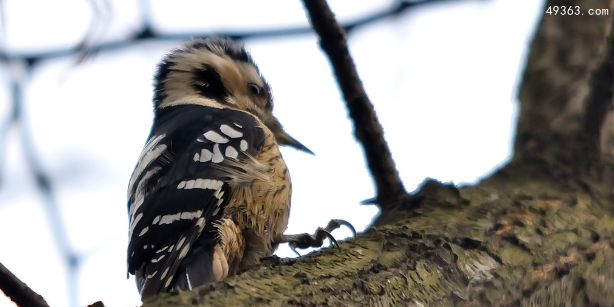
[261, 209]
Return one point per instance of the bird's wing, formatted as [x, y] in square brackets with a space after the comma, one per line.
[181, 185]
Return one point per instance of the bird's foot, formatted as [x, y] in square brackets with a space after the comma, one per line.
[306, 240]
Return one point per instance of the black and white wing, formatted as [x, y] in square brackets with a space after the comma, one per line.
[177, 191]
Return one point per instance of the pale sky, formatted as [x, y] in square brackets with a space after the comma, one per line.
[443, 79]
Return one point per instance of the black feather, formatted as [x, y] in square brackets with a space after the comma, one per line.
[208, 83]
[183, 128]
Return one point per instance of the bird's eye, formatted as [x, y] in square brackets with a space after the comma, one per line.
[256, 90]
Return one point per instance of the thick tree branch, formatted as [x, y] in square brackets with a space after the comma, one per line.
[599, 98]
[554, 109]
[19, 292]
[503, 244]
[367, 128]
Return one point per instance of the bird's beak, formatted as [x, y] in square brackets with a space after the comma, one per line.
[283, 138]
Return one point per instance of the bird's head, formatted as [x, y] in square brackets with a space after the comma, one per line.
[217, 72]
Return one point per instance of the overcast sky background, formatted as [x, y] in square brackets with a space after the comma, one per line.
[443, 79]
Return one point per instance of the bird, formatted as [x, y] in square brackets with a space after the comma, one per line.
[210, 193]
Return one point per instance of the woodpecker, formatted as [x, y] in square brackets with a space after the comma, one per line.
[210, 193]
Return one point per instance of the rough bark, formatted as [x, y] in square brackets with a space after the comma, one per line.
[498, 244]
[538, 232]
[553, 95]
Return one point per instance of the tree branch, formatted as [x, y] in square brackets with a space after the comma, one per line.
[503, 244]
[19, 292]
[367, 128]
[555, 112]
[599, 98]
[147, 33]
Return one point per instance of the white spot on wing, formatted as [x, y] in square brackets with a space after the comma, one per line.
[215, 184]
[191, 215]
[184, 251]
[217, 155]
[169, 218]
[146, 152]
[218, 194]
[144, 162]
[164, 273]
[201, 222]
[180, 242]
[243, 145]
[162, 249]
[227, 130]
[156, 219]
[215, 137]
[133, 218]
[190, 184]
[133, 223]
[140, 190]
[152, 274]
[216, 211]
[201, 183]
[198, 183]
[144, 231]
[238, 125]
[196, 157]
[168, 282]
[231, 152]
[205, 155]
[154, 260]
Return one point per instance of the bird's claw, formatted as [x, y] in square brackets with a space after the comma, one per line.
[306, 240]
[334, 224]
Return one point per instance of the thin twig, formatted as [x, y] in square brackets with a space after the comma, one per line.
[44, 185]
[367, 128]
[147, 33]
[19, 292]
[98, 26]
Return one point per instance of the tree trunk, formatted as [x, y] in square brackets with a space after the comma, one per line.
[538, 232]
